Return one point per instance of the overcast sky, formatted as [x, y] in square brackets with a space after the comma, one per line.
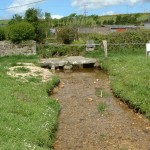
[60, 8]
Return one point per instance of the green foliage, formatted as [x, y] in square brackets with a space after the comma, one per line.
[124, 42]
[101, 107]
[2, 34]
[56, 51]
[22, 70]
[135, 37]
[126, 19]
[28, 115]
[21, 31]
[66, 35]
[16, 18]
[31, 15]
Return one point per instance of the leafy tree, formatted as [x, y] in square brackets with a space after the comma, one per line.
[21, 31]
[31, 15]
[66, 35]
[118, 19]
[16, 18]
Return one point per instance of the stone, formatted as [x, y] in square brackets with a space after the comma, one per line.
[53, 67]
[67, 67]
[8, 48]
[68, 62]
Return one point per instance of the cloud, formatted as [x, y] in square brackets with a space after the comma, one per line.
[56, 16]
[21, 9]
[109, 13]
[95, 4]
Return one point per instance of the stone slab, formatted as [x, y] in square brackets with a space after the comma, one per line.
[60, 62]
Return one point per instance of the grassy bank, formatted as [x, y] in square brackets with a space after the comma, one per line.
[28, 115]
[130, 78]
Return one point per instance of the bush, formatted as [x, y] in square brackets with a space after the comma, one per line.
[2, 34]
[66, 35]
[22, 31]
[57, 51]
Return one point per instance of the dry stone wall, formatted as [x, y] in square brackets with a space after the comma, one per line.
[8, 48]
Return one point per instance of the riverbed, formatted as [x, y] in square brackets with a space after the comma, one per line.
[82, 126]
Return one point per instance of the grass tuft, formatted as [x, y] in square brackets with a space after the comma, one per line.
[102, 107]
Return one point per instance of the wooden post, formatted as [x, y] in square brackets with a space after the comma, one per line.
[105, 48]
[46, 36]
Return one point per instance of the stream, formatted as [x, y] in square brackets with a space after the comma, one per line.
[82, 126]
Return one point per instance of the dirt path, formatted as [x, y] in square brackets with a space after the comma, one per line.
[83, 127]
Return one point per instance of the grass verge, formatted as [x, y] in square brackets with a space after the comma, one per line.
[130, 78]
[28, 115]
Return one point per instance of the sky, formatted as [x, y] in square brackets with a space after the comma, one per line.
[62, 8]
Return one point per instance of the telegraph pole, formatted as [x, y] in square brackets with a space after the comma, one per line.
[85, 11]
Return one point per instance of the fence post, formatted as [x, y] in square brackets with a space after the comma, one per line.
[105, 48]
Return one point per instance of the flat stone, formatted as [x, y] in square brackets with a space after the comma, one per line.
[61, 62]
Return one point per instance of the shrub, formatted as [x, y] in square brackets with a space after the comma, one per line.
[57, 51]
[21, 32]
[2, 34]
[66, 35]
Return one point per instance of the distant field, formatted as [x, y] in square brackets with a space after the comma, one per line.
[3, 22]
[141, 16]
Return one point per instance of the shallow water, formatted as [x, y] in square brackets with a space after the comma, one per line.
[83, 127]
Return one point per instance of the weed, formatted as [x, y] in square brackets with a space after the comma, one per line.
[22, 70]
[102, 107]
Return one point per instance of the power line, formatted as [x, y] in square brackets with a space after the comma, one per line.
[22, 5]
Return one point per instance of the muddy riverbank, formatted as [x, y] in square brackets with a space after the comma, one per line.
[83, 127]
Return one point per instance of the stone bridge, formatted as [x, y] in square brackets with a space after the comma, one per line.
[69, 62]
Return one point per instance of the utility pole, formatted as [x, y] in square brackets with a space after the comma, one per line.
[85, 11]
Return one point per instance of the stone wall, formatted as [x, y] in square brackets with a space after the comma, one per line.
[8, 48]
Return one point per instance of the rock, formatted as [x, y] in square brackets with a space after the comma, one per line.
[53, 67]
[68, 67]
[96, 65]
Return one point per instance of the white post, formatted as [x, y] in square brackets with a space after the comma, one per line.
[105, 48]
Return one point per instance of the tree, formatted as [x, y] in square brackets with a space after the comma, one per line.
[48, 19]
[119, 19]
[21, 31]
[31, 15]
[16, 18]
[66, 35]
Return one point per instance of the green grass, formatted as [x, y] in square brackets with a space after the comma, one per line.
[142, 17]
[28, 115]
[130, 77]
[102, 107]
[22, 70]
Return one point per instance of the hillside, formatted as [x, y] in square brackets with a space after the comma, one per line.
[141, 17]
[92, 20]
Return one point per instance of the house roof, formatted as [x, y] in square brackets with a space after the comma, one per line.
[121, 26]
